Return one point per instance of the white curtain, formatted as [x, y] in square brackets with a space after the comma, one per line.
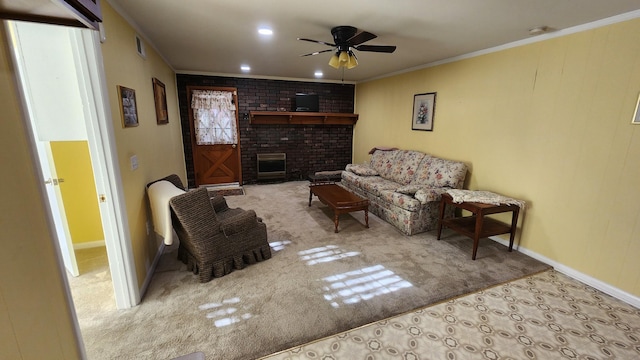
[214, 116]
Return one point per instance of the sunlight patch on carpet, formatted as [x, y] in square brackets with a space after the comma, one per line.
[325, 254]
[279, 245]
[223, 312]
[364, 284]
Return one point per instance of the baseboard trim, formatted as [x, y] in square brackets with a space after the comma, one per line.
[89, 245]
[151, 270]
[589, 280]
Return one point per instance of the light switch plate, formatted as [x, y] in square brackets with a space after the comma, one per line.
[134, 162]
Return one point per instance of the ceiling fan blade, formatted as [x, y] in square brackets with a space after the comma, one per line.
[376, 48]
[317, 41]
[361, 37]
[317, 52]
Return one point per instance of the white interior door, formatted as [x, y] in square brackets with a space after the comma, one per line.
[50, 178]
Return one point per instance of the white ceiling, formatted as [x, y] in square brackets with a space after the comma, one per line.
[217, 36]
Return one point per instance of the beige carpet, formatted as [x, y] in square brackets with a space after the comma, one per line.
[318, 283]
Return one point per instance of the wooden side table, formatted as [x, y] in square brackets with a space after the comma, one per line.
[478, 226]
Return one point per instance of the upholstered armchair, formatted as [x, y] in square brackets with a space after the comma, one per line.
[214, 239]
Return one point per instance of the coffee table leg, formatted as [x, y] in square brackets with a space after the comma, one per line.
[366, 217]
[336, 219]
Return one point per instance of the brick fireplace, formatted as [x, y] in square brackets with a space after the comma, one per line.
[308, 148]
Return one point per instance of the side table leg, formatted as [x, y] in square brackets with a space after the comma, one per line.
[514, 227]
[310, 195]
[336, 219]
[440, 218]
[476, 235]
[366, 217]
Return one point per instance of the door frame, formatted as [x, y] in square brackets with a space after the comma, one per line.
[90, 72]
[192, 132]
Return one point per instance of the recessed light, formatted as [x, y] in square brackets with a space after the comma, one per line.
[318, 74]
[265, 31]
[245, 68]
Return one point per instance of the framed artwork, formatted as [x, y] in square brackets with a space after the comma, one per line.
[636, 114]
[160, 98]
[424, 106]
[128, 108]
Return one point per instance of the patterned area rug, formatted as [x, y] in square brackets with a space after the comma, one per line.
[545, 316]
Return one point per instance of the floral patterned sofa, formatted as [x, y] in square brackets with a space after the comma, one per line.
[404, 186]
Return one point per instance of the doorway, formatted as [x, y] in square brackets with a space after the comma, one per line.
[65, 100]
[215, 137]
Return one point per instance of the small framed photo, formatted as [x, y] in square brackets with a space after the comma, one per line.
[128, 108]
[636, 114]
[160, 98]
[424, 106]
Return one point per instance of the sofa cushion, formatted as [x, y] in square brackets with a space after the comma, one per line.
[400, 200]
[382, 161]
[405, 165]
[375, 184]
[361, 169]
[425, 195]
[446, 173]
[420, 177]
[369, 184]
[436, 172]
[409, 189]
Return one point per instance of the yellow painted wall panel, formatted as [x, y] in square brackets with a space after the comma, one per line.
[73, 164]
[158, 148]
[547, 122]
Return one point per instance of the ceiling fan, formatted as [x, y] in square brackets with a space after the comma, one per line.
[346, 39]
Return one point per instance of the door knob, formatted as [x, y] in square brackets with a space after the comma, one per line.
[233, 146]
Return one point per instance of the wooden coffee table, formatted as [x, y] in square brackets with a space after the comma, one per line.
[340, 200]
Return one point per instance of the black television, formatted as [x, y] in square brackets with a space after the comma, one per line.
[307, 102]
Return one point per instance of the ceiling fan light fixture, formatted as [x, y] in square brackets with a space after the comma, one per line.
[353, 62]
[334, 62]
[343, 58]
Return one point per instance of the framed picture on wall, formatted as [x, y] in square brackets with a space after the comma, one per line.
[160, 98]
[128, 108]
[424, 106]
[636, 114]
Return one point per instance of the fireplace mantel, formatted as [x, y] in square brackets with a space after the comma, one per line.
[298, 117]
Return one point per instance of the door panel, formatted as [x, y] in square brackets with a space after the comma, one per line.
[220, 163]
[57, 208]
[217, 164]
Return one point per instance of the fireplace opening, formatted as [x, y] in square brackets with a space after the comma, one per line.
[272, 166]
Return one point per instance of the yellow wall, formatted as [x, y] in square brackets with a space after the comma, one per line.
[157, 147]
[35, 313]
[549, 123]
[79, 196]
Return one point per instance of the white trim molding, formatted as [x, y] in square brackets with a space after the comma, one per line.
[587, 279]
[88, 245]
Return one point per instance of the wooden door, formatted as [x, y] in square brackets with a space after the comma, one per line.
[218, 163]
